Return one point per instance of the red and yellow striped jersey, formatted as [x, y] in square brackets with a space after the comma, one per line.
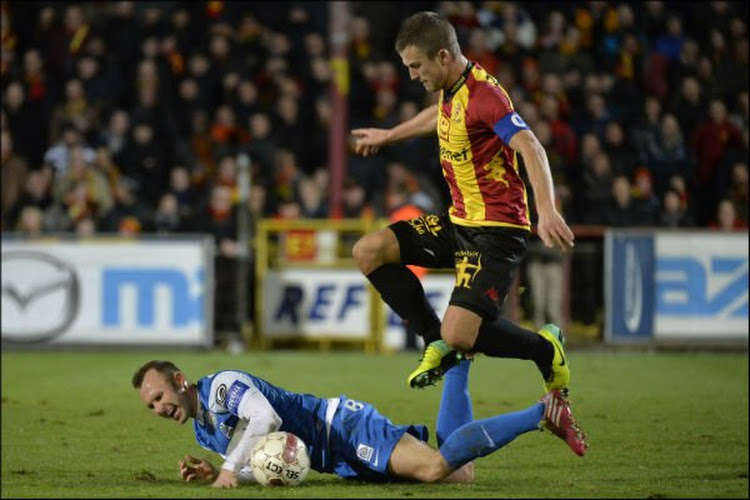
[475, 122]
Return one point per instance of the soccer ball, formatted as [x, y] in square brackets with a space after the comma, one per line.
[280, 459]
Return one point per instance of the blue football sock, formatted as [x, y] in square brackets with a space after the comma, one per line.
[482, 437]
[455, 406]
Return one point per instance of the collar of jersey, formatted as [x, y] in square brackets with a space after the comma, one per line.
[447, 94]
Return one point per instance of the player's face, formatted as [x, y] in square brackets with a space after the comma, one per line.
[432, 73]
[164, 399]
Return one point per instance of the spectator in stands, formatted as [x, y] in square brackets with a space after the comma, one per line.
[168, 219]
[226, 134]
[85, 227]
[58, 155]
[75, 109]
[218, 218]
[30, 222]
[622, 155]
[478, 50]
[597, 193]
[128, 210]
[40, 96]
[712, 142]
[245, 100]
[312, 203]
[355, 204]
[37, 193]
[564, 140]
[688, 106]
[737, 192]
[23, 124]
[115, 135]
[672, 214]
[83, 188]
[739, 113]
[142, 159]
[622, 210]
[671, 155]
[187, 196]
[726, 218]
[645, 132]
[678, 183]
[644, 197]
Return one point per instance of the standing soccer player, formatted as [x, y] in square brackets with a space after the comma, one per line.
[483, 236]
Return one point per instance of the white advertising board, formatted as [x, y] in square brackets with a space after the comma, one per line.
[701, 285]
[335, 303]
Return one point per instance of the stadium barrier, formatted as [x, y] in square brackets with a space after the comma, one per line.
[107, 291]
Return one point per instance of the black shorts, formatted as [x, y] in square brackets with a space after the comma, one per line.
[485, 259]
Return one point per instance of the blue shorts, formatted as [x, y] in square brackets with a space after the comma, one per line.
[362, 440]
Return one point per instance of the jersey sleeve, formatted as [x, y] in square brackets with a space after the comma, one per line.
[494, 109]
[236, 393]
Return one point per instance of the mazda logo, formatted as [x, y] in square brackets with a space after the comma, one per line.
[40, 296]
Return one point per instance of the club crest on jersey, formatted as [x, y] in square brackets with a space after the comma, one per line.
[221, 394]
[364, 452]
[457, 112]
[468, 265]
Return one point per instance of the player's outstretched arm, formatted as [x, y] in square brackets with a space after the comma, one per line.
[551, 227]
[196, 469]
[367, 141]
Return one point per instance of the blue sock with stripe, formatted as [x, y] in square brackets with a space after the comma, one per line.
[482, 437]
[455, 406]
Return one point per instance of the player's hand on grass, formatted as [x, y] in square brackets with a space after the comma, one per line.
[367, 141]
[226, 479]
[197, 469]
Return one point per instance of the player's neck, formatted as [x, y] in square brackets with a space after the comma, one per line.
[456, 73]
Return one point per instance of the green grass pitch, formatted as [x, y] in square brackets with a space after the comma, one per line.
[660, 425]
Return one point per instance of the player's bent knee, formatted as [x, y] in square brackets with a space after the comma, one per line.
[365, 253]
[375, 249]
[457, 339]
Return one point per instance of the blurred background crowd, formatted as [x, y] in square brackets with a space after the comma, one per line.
[128, 117]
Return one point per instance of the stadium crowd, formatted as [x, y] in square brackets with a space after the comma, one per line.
[128, 117]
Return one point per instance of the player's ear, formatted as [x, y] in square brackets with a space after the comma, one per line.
[180, 382]
[444, 56]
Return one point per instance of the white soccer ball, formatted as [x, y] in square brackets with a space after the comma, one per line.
[280, 459]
